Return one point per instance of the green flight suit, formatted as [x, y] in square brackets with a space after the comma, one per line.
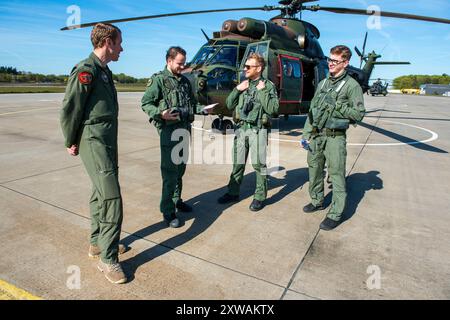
[89, 119]
[337, 103]
[254, 108]
[167, 91]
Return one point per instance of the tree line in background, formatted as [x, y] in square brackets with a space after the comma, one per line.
[11, 75]
[415, 81]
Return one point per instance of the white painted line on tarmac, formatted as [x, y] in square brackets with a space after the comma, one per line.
[433, 137]
[37, 109]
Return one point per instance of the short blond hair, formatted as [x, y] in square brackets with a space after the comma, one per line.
[103, 31]
[258, 58]
[342, 51]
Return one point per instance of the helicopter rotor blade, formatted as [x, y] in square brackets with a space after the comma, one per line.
[90, 24]
[381, 13]
[363, 57]
[392, 62]
[364, 45]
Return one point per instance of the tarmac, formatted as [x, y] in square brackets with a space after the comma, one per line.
[393, 244]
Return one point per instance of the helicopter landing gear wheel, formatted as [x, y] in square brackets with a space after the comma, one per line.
[228, 125]
[216, 124]
[220, 125]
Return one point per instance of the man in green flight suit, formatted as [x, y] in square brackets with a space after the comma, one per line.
[89, 124]
[338, 102]
[171, 105]
[255, 101]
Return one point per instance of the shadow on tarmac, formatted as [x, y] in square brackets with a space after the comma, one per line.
[205, 212]
[357, 186]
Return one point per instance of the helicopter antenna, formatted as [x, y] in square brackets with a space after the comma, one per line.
[206, 36]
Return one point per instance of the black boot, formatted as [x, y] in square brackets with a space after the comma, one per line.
[309, 208]
[183, 206]
[256, 205]
[329, 224]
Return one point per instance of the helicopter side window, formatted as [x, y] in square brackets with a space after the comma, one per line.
[291, 69]
[291, 82]
[226, 55]
[287, 69]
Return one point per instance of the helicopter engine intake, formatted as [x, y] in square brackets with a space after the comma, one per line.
[230, 26]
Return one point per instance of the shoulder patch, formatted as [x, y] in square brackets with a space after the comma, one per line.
[149, 82]
[85, 77]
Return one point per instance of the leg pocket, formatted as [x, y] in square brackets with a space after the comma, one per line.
[109, 187]
[107, 174]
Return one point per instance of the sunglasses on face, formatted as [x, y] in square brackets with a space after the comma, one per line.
[247, 67]
[335, 62]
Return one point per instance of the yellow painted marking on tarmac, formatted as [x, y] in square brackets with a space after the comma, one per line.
[10, 292]
[40, 109]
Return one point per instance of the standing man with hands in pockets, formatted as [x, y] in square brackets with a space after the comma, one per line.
[338, 102]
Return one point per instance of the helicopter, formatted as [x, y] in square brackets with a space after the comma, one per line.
[378, 88]
[295, 62]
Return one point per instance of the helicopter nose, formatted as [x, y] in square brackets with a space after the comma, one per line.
[198, 82]
[192, 79]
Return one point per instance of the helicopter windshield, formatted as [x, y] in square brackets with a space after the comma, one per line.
[203, 54]
[226, 55]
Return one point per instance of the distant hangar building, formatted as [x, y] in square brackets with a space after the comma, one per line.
[436, 89]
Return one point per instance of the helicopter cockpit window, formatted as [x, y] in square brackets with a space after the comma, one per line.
[260, 48]
[204, 54]
[226, 55]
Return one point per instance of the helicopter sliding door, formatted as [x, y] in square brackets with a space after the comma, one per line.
[291, 79]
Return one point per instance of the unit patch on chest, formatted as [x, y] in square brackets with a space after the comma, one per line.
[105, 77]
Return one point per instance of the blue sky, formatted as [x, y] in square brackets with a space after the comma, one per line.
[31, 40]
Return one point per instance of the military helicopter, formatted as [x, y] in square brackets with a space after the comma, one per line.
[294, 58]
[378, 88]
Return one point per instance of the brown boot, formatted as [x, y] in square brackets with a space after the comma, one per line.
[94, 251]
[113, 272]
